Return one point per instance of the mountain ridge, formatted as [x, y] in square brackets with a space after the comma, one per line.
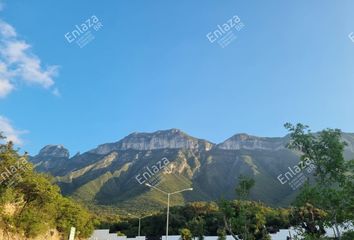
[122, 144]
[107, 174]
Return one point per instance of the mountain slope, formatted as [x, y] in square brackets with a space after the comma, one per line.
[115, 173]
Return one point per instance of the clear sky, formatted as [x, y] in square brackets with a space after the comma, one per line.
[151, 67]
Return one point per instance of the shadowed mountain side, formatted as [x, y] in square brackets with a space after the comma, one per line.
[115, 173]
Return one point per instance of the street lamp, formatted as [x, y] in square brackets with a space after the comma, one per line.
[139, 217]
[168, 201]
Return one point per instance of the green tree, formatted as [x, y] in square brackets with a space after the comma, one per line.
[38, 204]
[196, 226]
[348, 235]
[244, 187]
[221, 234]
[310, 219]
[332, 189]
[243, 219]
[185, 234]
[71, 214]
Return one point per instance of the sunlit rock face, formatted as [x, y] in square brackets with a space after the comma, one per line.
[248, 142]
[113, 173]
[166, 139]
[50, 158]
[54, 151]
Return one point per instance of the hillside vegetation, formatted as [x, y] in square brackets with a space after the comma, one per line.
[31, 206]
[325, 200]
[107, 175]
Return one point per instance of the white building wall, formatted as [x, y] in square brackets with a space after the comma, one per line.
[103, 234]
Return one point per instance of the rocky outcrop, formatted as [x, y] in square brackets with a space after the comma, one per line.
[166, 139]
[54, 151]
[50, 158]
[248, 142]
[108, 174]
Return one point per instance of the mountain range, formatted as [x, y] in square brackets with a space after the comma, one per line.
[113, 174]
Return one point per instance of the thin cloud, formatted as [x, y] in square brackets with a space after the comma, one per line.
[56, 92]
[7, 30]
[5, 87]
[10, 132]
[18, 64]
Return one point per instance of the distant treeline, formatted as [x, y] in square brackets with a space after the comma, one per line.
[31, 205]
[203, 217]
[326, 200]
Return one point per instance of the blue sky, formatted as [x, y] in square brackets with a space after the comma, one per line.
[151, 67]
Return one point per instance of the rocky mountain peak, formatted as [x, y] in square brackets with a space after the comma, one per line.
[54, 151]
[172, 138]
[163, 139]
[249, 142]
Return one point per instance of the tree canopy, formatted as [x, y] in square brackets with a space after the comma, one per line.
[35, 203]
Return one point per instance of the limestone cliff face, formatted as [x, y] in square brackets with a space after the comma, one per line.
[54, 151]
[167, 139]
[248, 142]
[50, 158]
[107, 175]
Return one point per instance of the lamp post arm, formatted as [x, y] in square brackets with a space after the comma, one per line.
[168, 203]
[158, 189]
[188, 189]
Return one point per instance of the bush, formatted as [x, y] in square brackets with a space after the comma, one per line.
[348, 235]
[38, 204]
[185, 234]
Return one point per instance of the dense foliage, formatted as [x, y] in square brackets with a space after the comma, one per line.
[327, 199]
[31, 205]
[202, 218]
